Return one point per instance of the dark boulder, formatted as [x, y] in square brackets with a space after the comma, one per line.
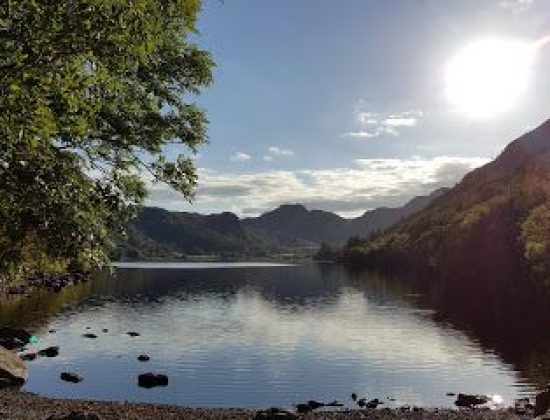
[372, 404]
[302, 408]
[71, 377]
[28, 357]
[314, 405]
[542, 403]
[133, 334]
[12, 338]
[89, 335]
[467, 400]
[143, 358]
[150, 380]
[13, 371]
[52, 351]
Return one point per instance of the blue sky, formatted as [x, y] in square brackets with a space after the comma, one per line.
[340, 105]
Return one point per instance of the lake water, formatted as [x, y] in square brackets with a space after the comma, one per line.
[258, 335]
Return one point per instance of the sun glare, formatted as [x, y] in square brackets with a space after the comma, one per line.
[488, 77]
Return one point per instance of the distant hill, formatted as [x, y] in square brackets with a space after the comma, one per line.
[159, 233]
[497, 220]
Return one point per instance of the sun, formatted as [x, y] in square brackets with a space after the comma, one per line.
[489, 76]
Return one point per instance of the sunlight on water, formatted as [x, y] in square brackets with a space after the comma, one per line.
[261, 336]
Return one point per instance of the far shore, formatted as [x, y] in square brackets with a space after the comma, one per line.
[22, 405]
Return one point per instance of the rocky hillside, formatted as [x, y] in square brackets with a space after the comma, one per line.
[496, 220]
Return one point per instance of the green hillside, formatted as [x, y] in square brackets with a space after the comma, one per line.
[496, 220]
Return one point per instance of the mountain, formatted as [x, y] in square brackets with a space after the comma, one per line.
[296, 222]
[496, 220]
[162, 233]
[159, 233]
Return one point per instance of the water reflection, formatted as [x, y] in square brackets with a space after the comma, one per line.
[259, 336]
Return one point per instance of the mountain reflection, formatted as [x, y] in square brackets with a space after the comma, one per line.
[284, 326]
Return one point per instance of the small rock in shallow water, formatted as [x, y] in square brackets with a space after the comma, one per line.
[104, 330]
[52, 351]
[133, 334]
[314, 405]
[71, 377]
[143, 358]
[28, 357]
[354, 396]
[150, 380]
[373, 403]
[52, 331]
[303, 408]
[467, 400]
[89, 335]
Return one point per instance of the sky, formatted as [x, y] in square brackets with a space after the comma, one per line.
[344, 105]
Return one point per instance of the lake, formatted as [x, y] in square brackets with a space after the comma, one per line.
[261, 334]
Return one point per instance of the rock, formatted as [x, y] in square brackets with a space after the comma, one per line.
[133, 334]
[143, 358]
[13, 371]
[314, 405]
[542, 403]
[52, 331]
[334, 404]
[12, 338]
[274, 413]
[303, 408]
[467, 400]
[450, 394]
[104, 330]
[52, 351]
[28, 357]
[89, 335]
[150, 380]
[373, 403]
[354, 396]
[362, 402]
[71, 377]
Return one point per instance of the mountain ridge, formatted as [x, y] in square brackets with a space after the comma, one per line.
[161, 233]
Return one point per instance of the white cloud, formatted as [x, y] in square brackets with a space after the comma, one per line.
[370, 125]
[516, 4]
[274, 152]
[240, 157]
[370, 183]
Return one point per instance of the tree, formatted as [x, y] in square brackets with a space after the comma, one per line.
[91, 93]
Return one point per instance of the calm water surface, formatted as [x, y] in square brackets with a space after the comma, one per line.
[257, 335]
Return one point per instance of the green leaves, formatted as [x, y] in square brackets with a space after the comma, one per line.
[91, 92]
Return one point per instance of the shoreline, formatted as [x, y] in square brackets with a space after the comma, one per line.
[24, 405]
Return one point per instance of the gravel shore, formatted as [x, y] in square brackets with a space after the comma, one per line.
[21, 405]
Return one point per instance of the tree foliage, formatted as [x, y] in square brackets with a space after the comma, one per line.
[91, 93]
